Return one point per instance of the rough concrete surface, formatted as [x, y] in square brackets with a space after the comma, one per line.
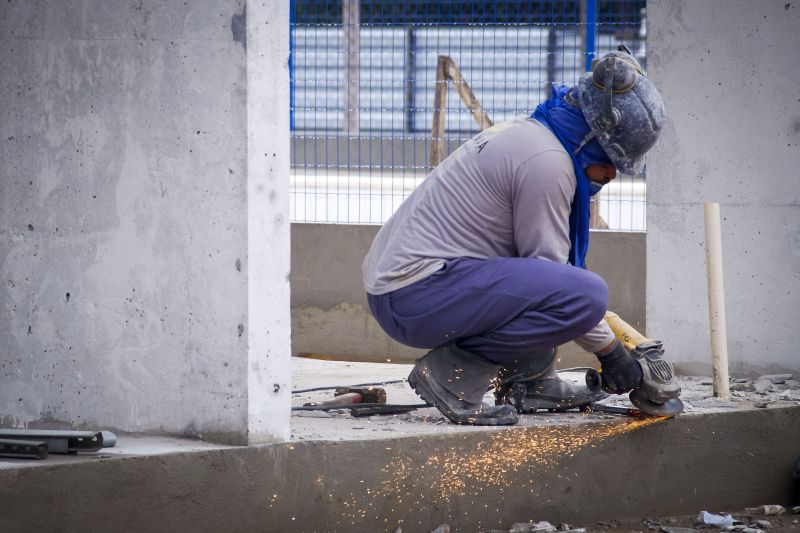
[344, 474]
[732, 137]
[129, 293]
[566, 473]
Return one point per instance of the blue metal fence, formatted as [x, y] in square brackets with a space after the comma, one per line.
[363, 76]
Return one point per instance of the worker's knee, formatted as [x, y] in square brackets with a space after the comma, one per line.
[594, 296]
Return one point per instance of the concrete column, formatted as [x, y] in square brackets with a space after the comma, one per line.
[269, 355]
[728, 72]
[144, 167]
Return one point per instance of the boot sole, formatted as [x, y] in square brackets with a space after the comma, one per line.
[536, 405]
[531, 405]
[418, 381]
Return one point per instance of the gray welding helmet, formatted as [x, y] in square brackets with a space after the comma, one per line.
[624, 110]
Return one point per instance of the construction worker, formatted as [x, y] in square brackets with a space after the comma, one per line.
[484, 263]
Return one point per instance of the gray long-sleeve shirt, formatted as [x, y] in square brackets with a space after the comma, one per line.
[507, 192]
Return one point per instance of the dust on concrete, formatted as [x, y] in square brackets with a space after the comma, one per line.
[765, 392]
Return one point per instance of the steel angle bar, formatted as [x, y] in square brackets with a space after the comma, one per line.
[23, 449]
[58, 441]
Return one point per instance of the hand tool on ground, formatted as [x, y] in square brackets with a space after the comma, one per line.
[658, 392]
[360, 401]
[351, 395]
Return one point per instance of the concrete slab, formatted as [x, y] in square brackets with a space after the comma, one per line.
[346, 474]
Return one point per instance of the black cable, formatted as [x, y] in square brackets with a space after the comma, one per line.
[360, 406]
[366, 409]
[314, 389]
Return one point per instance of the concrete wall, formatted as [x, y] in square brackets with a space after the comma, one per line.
[329, 308]
[728, 73]
[143, 207]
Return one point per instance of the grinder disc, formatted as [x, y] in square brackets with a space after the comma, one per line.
[642, 402]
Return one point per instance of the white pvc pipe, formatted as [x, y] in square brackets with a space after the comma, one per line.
[716, 302]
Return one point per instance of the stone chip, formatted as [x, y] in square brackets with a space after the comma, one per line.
[777, 379]
[763, 385]
[532, 527]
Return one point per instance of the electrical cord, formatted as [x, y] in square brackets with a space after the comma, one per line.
[366, 409]
[315, 389]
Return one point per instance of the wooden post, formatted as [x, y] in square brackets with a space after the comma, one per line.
[467, 96]
[446, 69]
[439, 104]
[351, 26]
[596, 220]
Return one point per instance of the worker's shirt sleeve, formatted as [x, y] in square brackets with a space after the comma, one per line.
[598, 338]
[541, 199]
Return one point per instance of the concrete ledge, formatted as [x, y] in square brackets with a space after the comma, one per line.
[622, 468]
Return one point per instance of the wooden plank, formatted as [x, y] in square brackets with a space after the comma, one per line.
[595, 220]
[466, 94]
[439, 104]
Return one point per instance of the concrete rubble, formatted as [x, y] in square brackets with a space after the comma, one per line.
[746, 522]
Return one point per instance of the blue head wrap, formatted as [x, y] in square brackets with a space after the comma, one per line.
[570, 127]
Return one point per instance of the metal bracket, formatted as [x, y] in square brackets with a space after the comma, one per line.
[58, 441]
[23, 449]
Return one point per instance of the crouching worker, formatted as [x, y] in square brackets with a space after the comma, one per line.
[484, 263]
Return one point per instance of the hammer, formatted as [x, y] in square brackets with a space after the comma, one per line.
[351, 395]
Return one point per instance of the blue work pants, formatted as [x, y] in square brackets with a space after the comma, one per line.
[502, 309]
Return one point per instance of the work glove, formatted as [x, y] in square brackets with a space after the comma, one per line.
[619, 370]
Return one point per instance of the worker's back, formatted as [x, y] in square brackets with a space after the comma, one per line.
[481, 202]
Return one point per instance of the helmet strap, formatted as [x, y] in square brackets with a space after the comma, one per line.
[609, 118]
[588, 137]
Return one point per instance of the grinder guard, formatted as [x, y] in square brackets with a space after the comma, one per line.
[659, 392]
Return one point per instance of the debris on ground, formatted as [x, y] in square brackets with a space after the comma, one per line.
[712, 519]
[766, 510]
[532, 527]
[762, 392]
[749, 521]
[444, 528]
[772, 390]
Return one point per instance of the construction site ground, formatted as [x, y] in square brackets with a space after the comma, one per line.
[415, 471]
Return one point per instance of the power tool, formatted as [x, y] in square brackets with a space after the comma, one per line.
[658, 392]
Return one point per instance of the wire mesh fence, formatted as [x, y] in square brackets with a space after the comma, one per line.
[363, 82]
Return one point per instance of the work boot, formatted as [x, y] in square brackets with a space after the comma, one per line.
[454, 381]
[533, 384]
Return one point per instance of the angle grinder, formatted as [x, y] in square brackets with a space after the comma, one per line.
[658, 394]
